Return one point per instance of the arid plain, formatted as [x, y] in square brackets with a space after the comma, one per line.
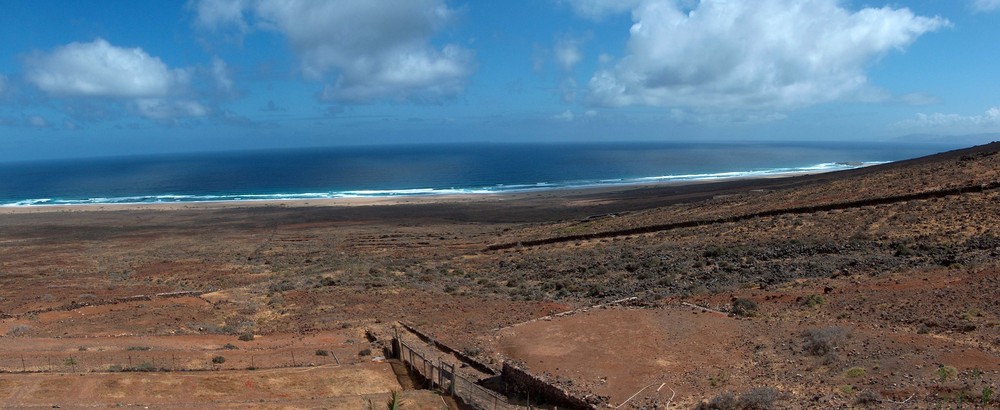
[875, 287]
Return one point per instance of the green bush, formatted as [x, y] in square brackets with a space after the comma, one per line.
[855, 372]
[946, 372]
[144, 367]
[218, 360]
[813, 301]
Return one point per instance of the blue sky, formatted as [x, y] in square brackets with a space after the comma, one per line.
[87, 78]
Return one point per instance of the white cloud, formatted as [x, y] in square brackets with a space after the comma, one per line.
[164, 109]
[567, 53]
[985, 5]
[763, 56]
[373, 48]
[98, 78]
[565, 116]
[987, 121]
[99, 69]
[37, 121]
[214, 13]
[597, 9]
[220, 73]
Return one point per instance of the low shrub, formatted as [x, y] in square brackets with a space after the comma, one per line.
[723, 401]
[825, 341]
[867, 397]
[758, 398]
[813, 301]
[19, 330]
[218, 360]
[246, 337]
[855, 372]
[946, 372]
[144, 367]
[744, 307]
[321, 352]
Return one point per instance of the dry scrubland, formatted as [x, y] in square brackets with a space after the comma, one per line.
[848, 306]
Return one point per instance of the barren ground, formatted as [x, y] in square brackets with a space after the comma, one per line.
[851, 305]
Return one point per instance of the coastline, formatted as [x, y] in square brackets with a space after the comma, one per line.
[548, 193]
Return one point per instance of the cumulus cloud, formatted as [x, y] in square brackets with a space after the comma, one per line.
[99, 69]
[767, 55]
[985, 5]
[373, 48]
[85, 74]
[989, 120]
[214, 13]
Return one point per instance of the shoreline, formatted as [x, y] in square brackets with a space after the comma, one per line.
[464, 198]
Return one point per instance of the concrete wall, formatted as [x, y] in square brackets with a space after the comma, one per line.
[528, 383]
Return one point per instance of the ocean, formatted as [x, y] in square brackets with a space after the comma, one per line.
[417, 170]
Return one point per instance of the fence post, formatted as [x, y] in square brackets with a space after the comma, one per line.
[397, 344]
[454, 381]
[440, 376]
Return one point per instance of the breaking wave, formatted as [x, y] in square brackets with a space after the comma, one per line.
[415, 192]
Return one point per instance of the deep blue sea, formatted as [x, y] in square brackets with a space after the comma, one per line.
[416, 170]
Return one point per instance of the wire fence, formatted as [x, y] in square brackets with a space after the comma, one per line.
[442, 375]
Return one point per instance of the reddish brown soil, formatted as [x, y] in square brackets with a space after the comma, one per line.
[912, 283]
[692, 352]
[325, 387]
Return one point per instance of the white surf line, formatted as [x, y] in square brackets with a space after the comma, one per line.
[570, 312]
